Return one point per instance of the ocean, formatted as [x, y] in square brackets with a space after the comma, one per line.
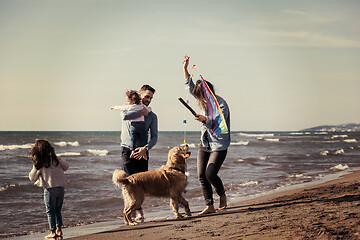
[257, 163]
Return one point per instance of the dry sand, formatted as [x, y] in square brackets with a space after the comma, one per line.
[327, 211]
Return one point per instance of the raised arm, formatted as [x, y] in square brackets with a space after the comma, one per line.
[185, 66]
[188, 80]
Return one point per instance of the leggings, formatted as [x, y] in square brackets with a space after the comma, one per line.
[208, 165]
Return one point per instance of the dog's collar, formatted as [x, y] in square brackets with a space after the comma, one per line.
[177, 169]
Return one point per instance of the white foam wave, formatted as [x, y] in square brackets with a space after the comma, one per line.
[240, 160]
[271, 139]
[339, 136]
[4, 188]
[192, 145]
[68, 154]
[297, 133]
[256, 134]
[240, 143]
[340, 151]
[324, 153]
[321, 133]
[64, 144]
[340, 167]
[350, 140]
[14, 147]
[300, 175]
[98, 152]
[249, 183]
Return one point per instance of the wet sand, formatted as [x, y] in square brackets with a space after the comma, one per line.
[329, 210]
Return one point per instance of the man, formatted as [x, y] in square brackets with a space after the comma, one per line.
[134, 163]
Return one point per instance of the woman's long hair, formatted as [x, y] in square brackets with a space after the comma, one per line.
[198, 93]
[43, 155]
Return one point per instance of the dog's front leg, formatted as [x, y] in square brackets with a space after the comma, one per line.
[186, 206]
[174, 203]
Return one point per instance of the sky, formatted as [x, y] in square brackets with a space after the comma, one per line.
[281, 65]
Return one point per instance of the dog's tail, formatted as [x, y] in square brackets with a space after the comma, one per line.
[119, 177]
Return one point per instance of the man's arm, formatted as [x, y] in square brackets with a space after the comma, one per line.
[141, 151]
[153, 133]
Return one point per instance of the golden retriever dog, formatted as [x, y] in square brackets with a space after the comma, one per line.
[167, 181]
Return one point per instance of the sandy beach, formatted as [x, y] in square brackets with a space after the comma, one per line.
[329, 210]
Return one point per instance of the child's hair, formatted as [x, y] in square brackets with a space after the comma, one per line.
[43, 154]
[132, 94]
[198, 93]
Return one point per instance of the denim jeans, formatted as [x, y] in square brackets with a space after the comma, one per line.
[53, 198]
[208, 165]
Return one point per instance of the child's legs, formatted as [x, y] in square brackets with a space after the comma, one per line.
[58, 206]
[49, 200]
[53, 198]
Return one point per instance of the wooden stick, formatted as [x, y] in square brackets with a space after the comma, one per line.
[188, 107]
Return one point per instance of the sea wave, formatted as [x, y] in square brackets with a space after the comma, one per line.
[324, 153]
[296, 133]
[249, 183]
[68, 154]
[14, 147]
[339, 136]
[192, 145]
[97, 152]
[340, 167]
[240, 143]
[6, 187]
[350, 140]
[269, 139]
[300, 175]
[340, 151]
[256, 134]
[64, 144]
[251, 159]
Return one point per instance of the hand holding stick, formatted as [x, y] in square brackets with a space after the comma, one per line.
[188, 107]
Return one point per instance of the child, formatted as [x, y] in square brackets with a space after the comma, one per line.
[138, 131]
[48, 172]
